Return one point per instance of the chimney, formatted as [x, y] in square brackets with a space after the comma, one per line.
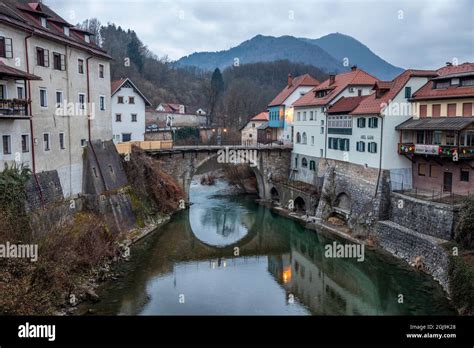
[332, 79]
[354, 67]
[449, 64]
[290, 80]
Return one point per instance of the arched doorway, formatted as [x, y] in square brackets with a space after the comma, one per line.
[343, 202]
[299, 205]
[275, 196]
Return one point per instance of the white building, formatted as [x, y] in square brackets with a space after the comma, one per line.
[310, 123]
[67, 105]
[128, 111]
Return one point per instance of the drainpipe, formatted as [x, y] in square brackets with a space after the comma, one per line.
[380, 157]
[30, 114]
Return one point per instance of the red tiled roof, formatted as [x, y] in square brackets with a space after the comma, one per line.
[263, 116]
[24, 14]
[355, 77]
[170, 107]
[373, 104]
[117, 84]
[302, 80]
[8, 71]
[345, 104]
[383, 84]
[428, 92]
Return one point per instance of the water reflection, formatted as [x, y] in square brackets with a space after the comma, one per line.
[190, 267]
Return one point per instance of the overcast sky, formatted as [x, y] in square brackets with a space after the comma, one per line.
[415, 34]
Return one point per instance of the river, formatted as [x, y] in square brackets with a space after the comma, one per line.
[229, 255]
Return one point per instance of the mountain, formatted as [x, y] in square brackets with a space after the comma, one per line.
[326, 53]
[342, 46]
[265, 49]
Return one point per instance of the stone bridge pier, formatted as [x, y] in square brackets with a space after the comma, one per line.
[183, 162]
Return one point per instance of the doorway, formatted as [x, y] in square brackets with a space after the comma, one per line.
[448, 182]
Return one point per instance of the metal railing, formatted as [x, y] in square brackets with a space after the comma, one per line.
[13, 107]
[435, 195]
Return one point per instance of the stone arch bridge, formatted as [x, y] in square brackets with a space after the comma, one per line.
[182, 162]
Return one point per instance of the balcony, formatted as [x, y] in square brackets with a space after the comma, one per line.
[13, 109]
[439, 151]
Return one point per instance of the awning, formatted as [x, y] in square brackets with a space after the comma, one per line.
[436, 123]
[9, 72]
[264, 125]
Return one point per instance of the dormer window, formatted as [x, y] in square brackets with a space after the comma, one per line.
[455, 81]
[44, 22]
[66, 31]
[87, 38]
[442, 84]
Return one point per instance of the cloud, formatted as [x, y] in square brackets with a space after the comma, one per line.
[421, 34]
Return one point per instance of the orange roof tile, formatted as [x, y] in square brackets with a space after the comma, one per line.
[355, 77]
[302, 80]
[263, 116]
[373, 104]
[346, 104]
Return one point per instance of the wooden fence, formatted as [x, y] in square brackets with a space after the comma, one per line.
[124, 148]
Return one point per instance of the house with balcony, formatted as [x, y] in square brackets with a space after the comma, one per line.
[280, 109]
[128, 111]
[310, 122]
[55, 88]
[439, 139]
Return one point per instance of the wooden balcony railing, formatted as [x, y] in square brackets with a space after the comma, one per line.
[436, 150]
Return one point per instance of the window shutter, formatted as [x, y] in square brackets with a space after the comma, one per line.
[46, 58]
[8, 48]
[2, 47]
[63, 62]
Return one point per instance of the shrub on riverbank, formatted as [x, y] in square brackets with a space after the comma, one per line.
[461, 282]
[72, 252]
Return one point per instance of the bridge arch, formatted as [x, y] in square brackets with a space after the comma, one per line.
[299, 205]
[274, 194]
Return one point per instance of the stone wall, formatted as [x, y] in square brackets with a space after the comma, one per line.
[434, 219]
[409, 245]
[45, 189]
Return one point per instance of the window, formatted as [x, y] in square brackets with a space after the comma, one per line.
[61, 141]
[467, 109]
[118, 117]
[253, 125]
[312, 140]
[42, 57]
[296, 162]
[87, 38]
[361, 122]
[344, 144]
[451, 110]
[101, 71]
[304, 138]
[80, 66]
[102, 102]
[420, 137]
[119, 100]
[433, 171]
[467, 138]
[66, 31]
[83, 142]
[3, 90]
[43, 98]
[46, 142]
[436, 110]
[372, 147]
[134, 117]
[59, 61]
[7, 144]
[312, 165]
[82, 100]
[131, 100]
[25, 143]
[304, 162]
[360, 146]
[407, 92]
[321, 153]
[450, 138]
[423, 110]
[20, 92]
[59, 99]
[373, 122]
[442, 84]
[6, 47]
[321, 131]
[330, 142]
[44, 22]
[298, 138]
[298, 116]
[126, 137]
[421, 169]
[437, 138]
[464, 175]
[467, 82]
[311, 115]
[359, 92]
